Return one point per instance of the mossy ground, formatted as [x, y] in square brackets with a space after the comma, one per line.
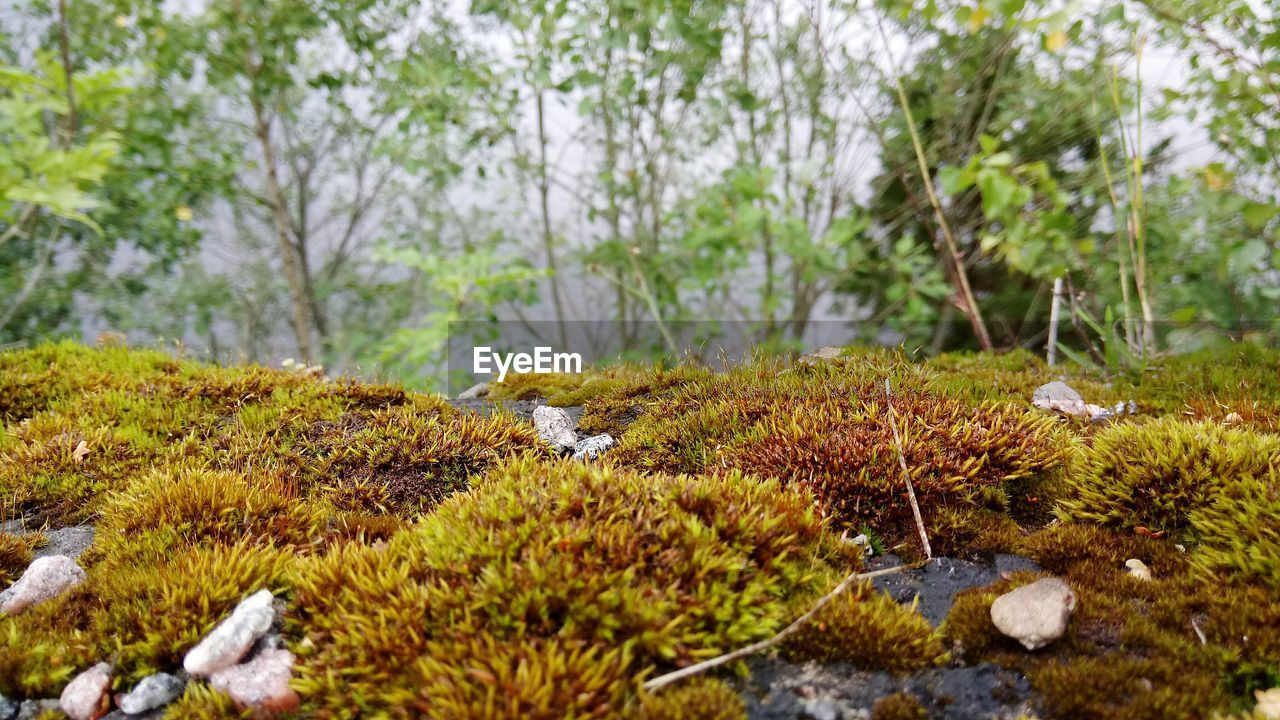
[443, 564]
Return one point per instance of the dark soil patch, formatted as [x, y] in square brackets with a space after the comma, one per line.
[937, 583]
[778, 690]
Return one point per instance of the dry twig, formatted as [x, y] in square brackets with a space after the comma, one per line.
[906, 474]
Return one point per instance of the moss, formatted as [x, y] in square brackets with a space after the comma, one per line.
[978, 533]
[866, 628]
[404, 461]
[143, 616]
[201, 702]
[15, 555]
[440, 564]
[828, 428]
[1110, 688]
[30, 380]
[527, 386]
[559, 562]
[622, 399]
[165, 511]
[696, 699]
[1212, 487]
[898, 706]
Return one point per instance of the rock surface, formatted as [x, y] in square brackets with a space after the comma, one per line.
[555, 427]
[32, 709]
[233, 637]
[8, 708]
[151, 692]
[932, 589]
[592, 447]
[45, 579]
[1060, 397]
[780, 690]
[70, 541]
[1268, 703]
[261, 684]
[474, 392]
[87, 697]
[1036, 614]
[822, 354]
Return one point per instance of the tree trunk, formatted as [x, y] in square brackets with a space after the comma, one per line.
[303, 320]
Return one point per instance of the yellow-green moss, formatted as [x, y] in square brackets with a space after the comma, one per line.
[867, 629]
[1212, 487]
[15, 555]
[898, 706]
[695, 699]
[201, 702]
[557, 568]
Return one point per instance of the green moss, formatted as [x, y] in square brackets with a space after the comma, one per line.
[527, 386]
[1110, 688]
[564, 562]
[15, 555]
[1212, 487]
[622, 399]
[201, 702]
[899, 706]
[143, 616]
[695, 699]
[436, 563]
[866, 628]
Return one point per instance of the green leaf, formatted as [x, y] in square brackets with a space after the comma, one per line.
[1259, 214]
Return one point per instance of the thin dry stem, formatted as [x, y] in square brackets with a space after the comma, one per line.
[906, 474]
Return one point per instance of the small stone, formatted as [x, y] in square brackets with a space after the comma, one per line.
[8, 708]
[32, 709]
[86, 697]
[151, 692]
[1060, 397]
[233, 637]
[593, 447]
[821, 355]
[475, 392]
[46, 578]
[1138, 569]
[1036, 614]
[1232, 419]
[261, 684]
[821, 709]
[555, 427]
[1268, 706]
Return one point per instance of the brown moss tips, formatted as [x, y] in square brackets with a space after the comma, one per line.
[1123, 687]
[403, 461]
[696, 699]
[867, 628]
[828, 429]
[552, 567]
